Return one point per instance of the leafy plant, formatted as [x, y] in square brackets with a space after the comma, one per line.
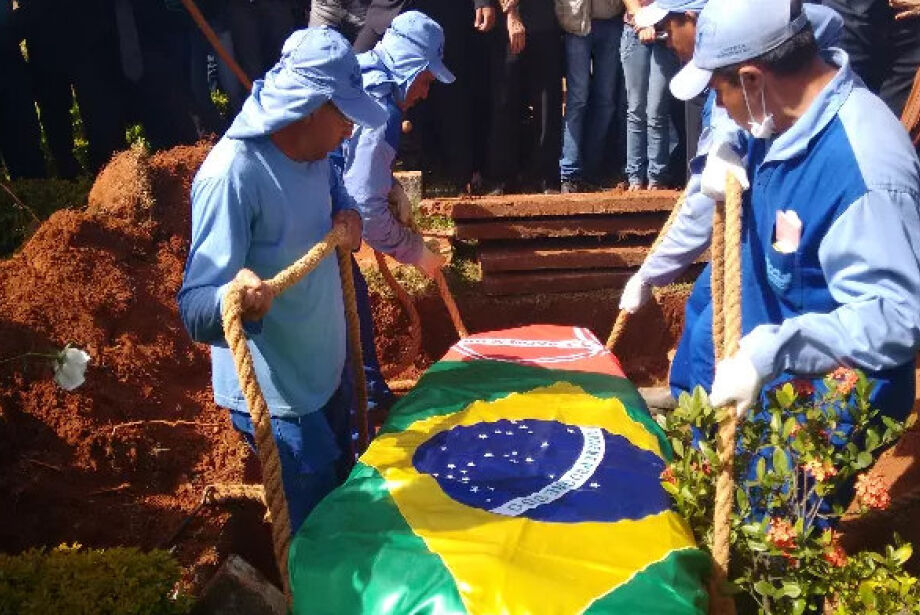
[794, 455]
[77, 581]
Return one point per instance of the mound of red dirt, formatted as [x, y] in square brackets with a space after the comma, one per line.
[124, 458]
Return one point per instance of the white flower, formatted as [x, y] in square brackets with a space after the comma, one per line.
[70, 367]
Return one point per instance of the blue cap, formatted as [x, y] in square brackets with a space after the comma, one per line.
[317, 65]
[733, 31]
[659, 9]
[414, 42]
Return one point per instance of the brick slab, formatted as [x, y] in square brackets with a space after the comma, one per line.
[624, 225]
[565, 281]
[528, 205]
[559, 255]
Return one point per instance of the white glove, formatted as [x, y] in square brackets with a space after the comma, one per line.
[722, 161]
[635, 294]
[430, 263]
[400, 204]
[736, 382]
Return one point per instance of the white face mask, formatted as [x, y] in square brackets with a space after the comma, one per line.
[765, 128]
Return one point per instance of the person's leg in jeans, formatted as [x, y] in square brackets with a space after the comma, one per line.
[578, 84]
[606, 34]
[636, 59]
[314, 450]
[862, 38]
[378, 393]
[661, 69]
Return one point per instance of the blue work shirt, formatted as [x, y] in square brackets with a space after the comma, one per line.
[253, 207]
[850, 294]
[691, 230]
[367, 163]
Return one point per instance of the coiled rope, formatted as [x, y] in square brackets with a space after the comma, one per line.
[266, 447]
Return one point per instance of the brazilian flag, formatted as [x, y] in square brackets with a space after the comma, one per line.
[520, 476]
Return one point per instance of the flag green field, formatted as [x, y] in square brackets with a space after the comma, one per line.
[520, 476]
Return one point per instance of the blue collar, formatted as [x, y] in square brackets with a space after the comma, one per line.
[822, 110]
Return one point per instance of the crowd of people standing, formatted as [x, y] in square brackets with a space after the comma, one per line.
[550, 95]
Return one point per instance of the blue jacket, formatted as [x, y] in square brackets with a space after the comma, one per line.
[367, 162]
[691, 231]
[850, 294]
[254, 207]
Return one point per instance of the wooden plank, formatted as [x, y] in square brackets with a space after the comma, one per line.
[528, 205]
[558, 255]
[625, 225]
[565, 281]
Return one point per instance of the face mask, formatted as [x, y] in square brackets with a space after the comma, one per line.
[765, 128]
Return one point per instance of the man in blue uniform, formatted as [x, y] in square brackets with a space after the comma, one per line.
[396, 73]
[720, 151]
[825, 152]
[264, 196]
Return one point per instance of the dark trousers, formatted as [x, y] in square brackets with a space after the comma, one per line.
[52, 86]
[693, 121]
[259, 29]
[20, 136]
[885, 53]
[531, 79]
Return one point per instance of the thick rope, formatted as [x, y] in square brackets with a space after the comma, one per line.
[450, 304]
[726, 319]
[910, 115]
[266, 447]
[415, 321]
[446, 296]
[356, 355]
[619, 325]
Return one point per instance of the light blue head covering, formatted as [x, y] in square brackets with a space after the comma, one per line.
[316, 65]
[656, 11]
[413, 43]
[733, 31]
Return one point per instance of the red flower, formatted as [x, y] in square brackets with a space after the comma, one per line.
[707, 468]
[668, 476]
[820, 471]
[846, 379]
[871, 491]
[834, 555]
[803, 387]
[782, 534]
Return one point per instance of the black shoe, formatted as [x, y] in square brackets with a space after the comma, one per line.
[571, 186]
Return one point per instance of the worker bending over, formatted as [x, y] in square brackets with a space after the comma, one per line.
[265, 196]
[830, 227]
[721, 151]
[396, 73]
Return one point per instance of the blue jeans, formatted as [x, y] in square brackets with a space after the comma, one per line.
[590, 96]
[378, 392]
[315, 452]
[648, 69]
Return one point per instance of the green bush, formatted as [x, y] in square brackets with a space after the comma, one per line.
[76, 581]
[41, 198]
